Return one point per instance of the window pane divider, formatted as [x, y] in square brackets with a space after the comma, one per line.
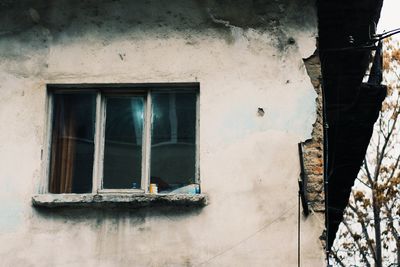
[99, 144]
[197, 136]
[147, 145]
[121, 191]
[46, 152]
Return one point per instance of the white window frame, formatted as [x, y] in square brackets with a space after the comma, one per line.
[102, 91]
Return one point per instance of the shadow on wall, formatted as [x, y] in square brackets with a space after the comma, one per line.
[100, 215]
[113, 18]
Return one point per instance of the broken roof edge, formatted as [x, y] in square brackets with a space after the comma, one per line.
[341, 25]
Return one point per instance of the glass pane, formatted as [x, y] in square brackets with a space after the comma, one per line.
[123, 142]
[72, 144]
[173, 142]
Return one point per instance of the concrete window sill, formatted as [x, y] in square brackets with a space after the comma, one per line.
[119, 200]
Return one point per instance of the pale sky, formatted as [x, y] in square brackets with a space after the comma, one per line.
[390, 18]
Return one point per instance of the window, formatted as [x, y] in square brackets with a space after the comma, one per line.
[134, 138]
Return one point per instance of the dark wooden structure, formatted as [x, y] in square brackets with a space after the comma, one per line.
[350, 107]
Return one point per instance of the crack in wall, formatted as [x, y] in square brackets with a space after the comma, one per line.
[219, 21]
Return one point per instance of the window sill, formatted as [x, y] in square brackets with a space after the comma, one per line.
[119, 200]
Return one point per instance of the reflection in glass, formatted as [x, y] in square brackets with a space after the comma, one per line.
[123, 142]
[72, 143]
[173, 139]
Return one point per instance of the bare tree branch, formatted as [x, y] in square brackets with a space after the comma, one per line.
[337, 259]
[365, 232]
[353, 235]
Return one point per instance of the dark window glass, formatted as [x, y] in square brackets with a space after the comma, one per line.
[72, 143]
[160, 120]
[123, 142]
[173, 142]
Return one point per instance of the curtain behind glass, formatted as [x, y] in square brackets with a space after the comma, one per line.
[72, 143]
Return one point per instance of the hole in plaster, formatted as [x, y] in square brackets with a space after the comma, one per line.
[260, 112]
[291, 41]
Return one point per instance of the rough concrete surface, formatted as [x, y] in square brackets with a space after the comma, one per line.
[118, 200]
[246, 55]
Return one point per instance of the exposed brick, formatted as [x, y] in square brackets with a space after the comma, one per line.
[313, 148]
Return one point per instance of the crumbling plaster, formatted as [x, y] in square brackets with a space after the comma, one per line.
[244, 54]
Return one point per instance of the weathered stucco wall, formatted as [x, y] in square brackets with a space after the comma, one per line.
[245, 55]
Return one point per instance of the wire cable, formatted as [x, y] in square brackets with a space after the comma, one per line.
[298, 230]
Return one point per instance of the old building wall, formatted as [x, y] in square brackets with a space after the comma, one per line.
[245, 55]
